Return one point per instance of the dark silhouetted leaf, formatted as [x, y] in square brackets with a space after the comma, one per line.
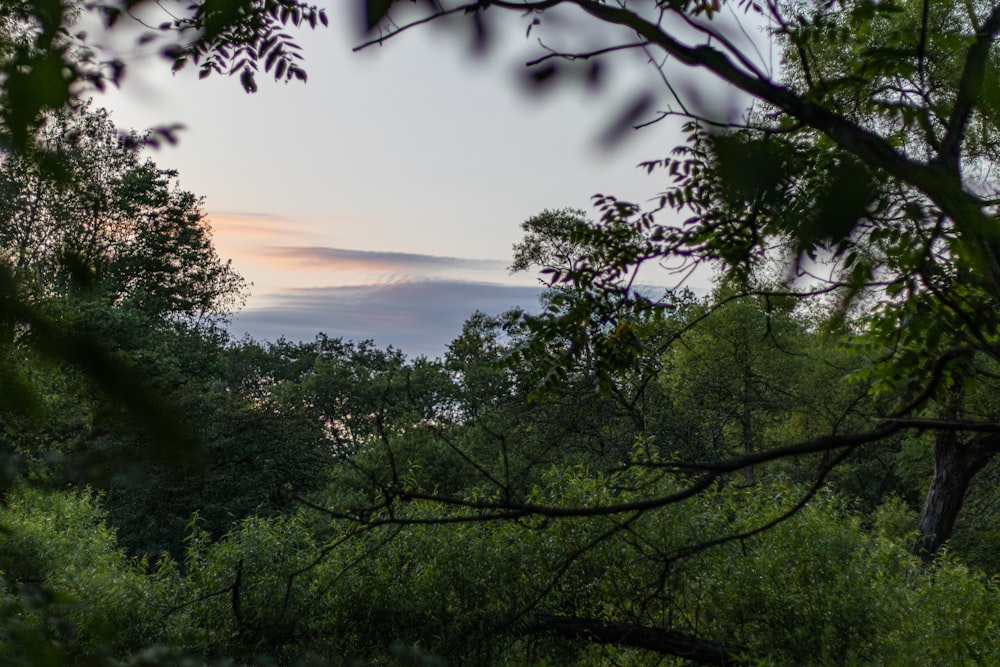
[247, 79]
[627, 119]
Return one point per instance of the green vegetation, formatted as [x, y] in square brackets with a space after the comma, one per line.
[798, 468]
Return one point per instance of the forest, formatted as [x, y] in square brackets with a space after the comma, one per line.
[798, 467]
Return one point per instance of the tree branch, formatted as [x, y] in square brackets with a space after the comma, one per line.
[938, 181]
[929, 424]
[466, 8]
[969, 87]
[481, 510]
[665, 642]
[584, 55]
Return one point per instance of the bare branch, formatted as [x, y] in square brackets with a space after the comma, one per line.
[413, 24]
[585, 55]
[466, 8]
[939, 182]
[928, 424]
[722, 39]
[711, 472]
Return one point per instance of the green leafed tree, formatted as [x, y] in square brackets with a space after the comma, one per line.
[99, 248]
[85, 216]
[862, 166]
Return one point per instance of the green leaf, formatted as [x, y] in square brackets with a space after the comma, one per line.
[375, 11]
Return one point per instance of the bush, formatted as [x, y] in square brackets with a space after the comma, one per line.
[64, 570]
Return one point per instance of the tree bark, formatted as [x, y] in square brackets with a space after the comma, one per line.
[955, 464]
[657, 640]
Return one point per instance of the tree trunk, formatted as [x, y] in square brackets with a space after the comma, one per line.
[955, 464]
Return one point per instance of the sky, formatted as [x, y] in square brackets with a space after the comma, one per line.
[382, 198]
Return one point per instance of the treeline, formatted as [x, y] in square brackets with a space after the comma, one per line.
[333, 502]
[347, 504]
[798, 468]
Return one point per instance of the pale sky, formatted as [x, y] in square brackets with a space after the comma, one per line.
[382, 198]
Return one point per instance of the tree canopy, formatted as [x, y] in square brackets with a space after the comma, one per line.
[859, 176]
[82, 212]
[627, 474]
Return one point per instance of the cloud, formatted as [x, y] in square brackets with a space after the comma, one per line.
[251, 215]
[340, 259]
[245, 227]
[419, 317]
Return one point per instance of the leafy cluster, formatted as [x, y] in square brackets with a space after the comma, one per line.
[238, 38]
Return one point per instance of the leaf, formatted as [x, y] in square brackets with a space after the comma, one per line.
[543, 74]
[266, 45]
[534, 22]
[627, 118]
[271, 58]
[375, 11]
[248, 82]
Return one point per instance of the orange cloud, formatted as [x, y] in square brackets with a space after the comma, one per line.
[247, 228]
[276, 254]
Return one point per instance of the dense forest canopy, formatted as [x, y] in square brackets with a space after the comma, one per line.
[798, 468]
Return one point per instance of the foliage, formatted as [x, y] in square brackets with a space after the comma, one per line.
[47, 62]
[858, 178]
[79, 594]
[417, 577]
[555, 479]
[818, 589]
[85, 218]
[116, 293]
[594, 316]
[255, 458]
[862, 168]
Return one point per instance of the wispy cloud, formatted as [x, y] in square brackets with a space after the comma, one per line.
[415, 302]
[341, 259]
[248, 228]
[419, 317]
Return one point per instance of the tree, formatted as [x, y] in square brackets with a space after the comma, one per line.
[256, 457]
[865, 155]
[744, 380]
[47, 61]
[83, 215]
[103, 259]
[863, 166]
